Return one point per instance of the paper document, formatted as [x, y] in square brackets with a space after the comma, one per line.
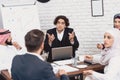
[68, 68]
[63, 62]
[65, 67]
[81, 66]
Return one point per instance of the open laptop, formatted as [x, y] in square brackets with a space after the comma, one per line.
[62, 53]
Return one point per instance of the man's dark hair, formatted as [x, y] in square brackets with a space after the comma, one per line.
[33, 40]
[62, 17]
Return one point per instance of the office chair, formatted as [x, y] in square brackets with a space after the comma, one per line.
[6, 75]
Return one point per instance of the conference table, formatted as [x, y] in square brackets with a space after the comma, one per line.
[96, 67]
[77, 70]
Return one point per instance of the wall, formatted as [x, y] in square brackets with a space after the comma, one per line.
[89, 30]
[1, 24]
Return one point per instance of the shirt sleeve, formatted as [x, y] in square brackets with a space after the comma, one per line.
[113, 71]
[96, 58]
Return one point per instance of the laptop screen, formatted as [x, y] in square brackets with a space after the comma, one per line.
[61, 53]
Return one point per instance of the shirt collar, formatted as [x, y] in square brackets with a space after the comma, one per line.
[61, 32]
[60, 35]
[35, 54]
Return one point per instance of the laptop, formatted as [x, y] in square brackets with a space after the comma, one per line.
[62, 53]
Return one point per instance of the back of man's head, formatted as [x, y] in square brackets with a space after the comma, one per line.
[34, 40]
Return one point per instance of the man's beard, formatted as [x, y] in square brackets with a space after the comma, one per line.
[8, 43]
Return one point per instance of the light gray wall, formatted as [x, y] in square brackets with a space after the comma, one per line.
[89, 30]
[1, 24]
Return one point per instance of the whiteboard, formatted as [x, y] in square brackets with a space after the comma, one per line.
[19, 20]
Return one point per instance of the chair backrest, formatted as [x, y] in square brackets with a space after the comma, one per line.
[6, 74]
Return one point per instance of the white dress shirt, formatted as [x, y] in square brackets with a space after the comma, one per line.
[6, 55]
[60, 35]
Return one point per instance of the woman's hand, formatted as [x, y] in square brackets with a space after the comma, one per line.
[71, 36]
[99, 46]
[51, 37]
[88, 72]
[88, 57]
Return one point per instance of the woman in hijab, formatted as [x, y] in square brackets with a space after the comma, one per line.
[110, 56]
[116, 22]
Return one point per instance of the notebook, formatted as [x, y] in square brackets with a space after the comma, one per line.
[62, 53]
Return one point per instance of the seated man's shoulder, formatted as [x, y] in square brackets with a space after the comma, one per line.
[18, 56]
[21, 56]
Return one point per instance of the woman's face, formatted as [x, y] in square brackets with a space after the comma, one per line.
[117, 23]
[60, 25]
[108, 40]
